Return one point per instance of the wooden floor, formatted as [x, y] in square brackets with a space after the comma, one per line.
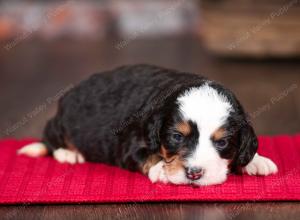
[34, 74]
[210, 211]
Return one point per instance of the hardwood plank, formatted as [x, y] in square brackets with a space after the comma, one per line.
[156, 211]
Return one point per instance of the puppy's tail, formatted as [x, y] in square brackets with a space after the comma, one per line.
[36, 149]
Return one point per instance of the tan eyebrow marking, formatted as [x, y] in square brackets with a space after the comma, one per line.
[184, 128]
[219, 134]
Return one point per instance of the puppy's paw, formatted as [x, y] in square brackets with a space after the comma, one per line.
[261, 166]
[68, 156]
[176, 176]
[34, 150]
[157, 173]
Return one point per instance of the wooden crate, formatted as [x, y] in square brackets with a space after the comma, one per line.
[253, 28]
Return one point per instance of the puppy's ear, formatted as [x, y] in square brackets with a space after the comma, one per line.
[248, 145]
[153, 127]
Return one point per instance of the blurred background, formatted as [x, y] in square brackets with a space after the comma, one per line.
[250, 46]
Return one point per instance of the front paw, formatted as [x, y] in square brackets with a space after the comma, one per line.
[261, 166]
[157, 173]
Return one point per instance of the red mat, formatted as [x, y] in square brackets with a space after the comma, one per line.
[43, 180]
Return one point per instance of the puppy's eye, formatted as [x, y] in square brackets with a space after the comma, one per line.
[177, 137]
[221, 143]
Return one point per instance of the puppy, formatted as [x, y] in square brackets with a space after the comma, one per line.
[175, 127]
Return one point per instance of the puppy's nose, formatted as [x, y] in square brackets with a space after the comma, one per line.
[194, 173]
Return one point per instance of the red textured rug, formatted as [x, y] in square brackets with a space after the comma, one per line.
[43, 180]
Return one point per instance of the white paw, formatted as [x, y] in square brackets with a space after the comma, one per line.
[67, 156]
[261, 166]
[157, 173]
[178, 177]
[34, 150]
[80, 158]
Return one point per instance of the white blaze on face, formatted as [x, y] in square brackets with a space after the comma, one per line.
[208, 110]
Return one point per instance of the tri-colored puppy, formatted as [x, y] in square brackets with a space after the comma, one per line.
[173, 126]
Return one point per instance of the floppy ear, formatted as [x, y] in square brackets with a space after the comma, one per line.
[152, 131]
[248, 145]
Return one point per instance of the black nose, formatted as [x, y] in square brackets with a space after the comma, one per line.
[194, 173]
